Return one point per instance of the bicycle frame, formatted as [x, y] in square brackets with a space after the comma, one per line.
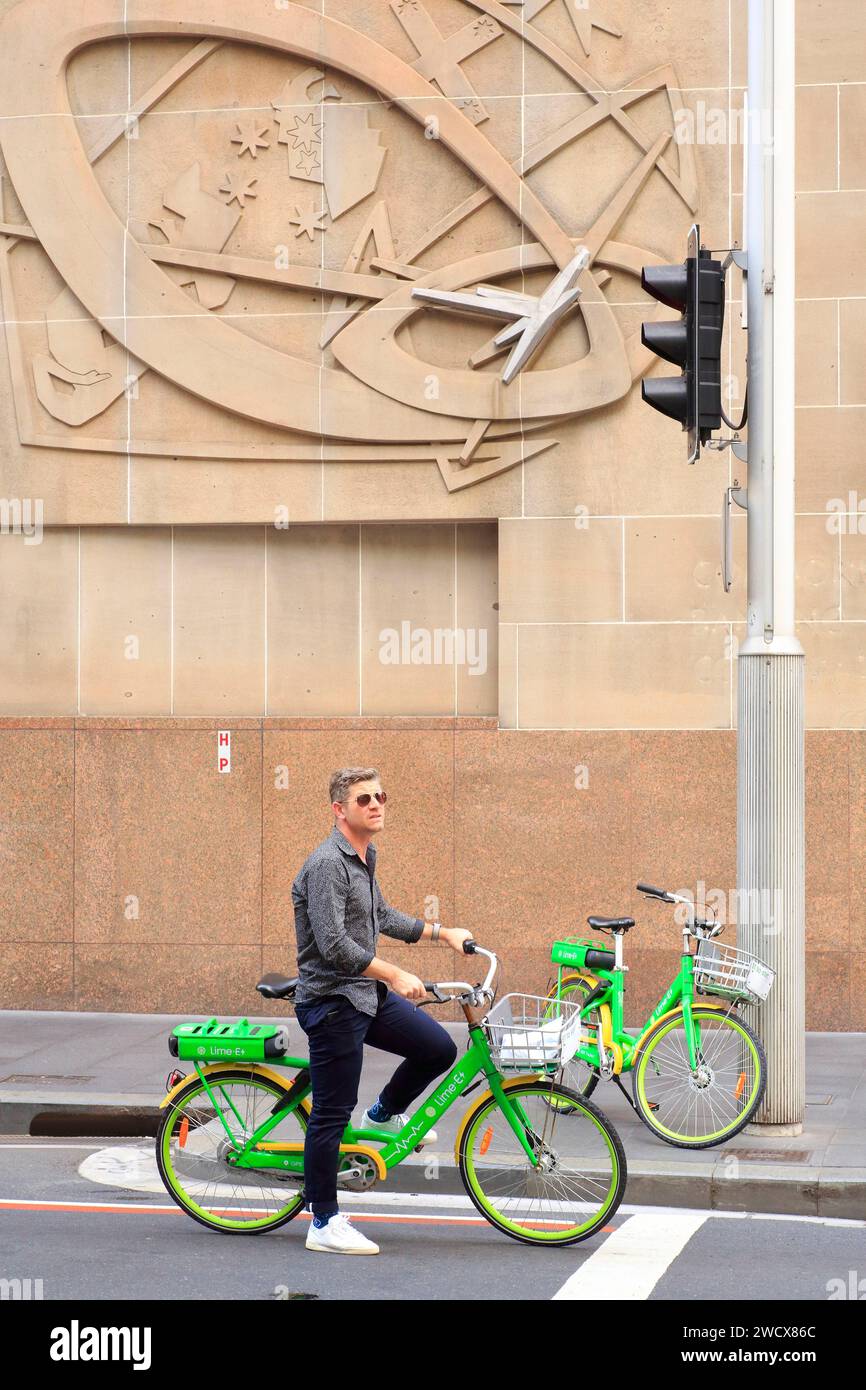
[255, 1152]
[680, 993]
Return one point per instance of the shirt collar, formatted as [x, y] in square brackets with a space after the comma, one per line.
[348, 848]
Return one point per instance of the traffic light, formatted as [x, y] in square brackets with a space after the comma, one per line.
[697, 289]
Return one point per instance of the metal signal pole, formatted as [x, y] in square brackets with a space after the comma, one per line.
[770, 724]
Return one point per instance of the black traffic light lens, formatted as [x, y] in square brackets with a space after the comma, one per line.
[669, 284]
[669, 394]
[667, 340]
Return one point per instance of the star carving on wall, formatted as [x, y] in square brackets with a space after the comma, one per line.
[249, 137]
[471, 107]
[238, 187]
[306, 163]
[305, 133]
[308, 222]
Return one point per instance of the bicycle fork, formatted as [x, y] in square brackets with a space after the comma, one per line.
[517, 1119]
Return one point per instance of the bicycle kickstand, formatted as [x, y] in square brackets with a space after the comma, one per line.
[653, 1105]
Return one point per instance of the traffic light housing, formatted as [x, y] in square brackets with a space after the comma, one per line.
[694, 343]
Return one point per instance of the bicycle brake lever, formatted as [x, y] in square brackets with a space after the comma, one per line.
[437, 997]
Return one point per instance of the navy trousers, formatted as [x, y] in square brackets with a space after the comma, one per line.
[336, 1032]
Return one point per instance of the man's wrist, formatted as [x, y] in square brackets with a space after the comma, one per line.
[435, 931]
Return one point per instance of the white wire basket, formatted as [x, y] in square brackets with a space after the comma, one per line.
[732, 973]
[527, 1032]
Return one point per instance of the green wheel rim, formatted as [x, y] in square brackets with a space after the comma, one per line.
[701, 1016]
[594, 1219]
[175, 1185]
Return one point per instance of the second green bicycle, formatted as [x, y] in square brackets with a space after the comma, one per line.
[699, 1071]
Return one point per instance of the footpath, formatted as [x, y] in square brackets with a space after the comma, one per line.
[103, 1075]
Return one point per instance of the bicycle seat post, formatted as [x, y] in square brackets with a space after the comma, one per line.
[618, 938]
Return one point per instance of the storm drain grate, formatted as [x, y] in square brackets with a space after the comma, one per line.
[773, 1155]
[21, 1078]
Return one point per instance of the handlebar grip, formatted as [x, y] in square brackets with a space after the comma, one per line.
[652, 892]
[469, 947]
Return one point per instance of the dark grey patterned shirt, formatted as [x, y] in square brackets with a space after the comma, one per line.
[339, 913]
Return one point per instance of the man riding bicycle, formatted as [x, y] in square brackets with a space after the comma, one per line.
[348, 995]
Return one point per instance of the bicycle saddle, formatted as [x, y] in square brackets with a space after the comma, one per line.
[277, 986]
[611, 923]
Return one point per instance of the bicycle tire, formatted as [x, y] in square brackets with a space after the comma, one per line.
[661, 1029]
[163, 1140]
[485, 1107]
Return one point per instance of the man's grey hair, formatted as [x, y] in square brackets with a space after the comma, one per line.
[346, 777]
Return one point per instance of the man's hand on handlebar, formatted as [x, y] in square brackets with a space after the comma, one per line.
[455, 936]
[411, 988]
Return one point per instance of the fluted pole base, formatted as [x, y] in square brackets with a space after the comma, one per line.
[771, 868]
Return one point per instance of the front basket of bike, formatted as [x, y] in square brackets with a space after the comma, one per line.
[731, 973]
[528, 1033]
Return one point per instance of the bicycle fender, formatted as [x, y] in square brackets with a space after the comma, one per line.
[269, 1072]
[606, 1018]
[720, 1008]
[578, 975]
[506, 1085]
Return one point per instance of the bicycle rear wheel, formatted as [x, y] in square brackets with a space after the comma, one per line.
[194, 1150]
[578, 1183]
[577, 1074]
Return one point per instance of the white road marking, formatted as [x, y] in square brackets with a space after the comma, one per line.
[49, 1146]
[123, 1165]
[122, 1208]
[133, 1167]
[628, 1209]
[631, 1261]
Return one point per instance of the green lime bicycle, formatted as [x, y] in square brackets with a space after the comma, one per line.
[540, 1162]
[699, 1071]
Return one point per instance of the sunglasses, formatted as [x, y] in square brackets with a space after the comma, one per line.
[365, 798]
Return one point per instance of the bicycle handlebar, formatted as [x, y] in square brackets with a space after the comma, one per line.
[697, 924]
[436, 988]
[650, 892]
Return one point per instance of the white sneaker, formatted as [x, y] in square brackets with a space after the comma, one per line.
[394, 1125]
[339, 1237]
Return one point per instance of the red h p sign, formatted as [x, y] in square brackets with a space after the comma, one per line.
[224, 750]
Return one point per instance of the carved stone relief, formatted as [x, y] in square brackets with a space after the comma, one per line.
[285, 208]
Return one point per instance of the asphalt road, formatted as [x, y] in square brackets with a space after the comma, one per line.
[113, 1234]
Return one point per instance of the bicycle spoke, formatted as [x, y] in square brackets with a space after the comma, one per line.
[196, 1155]
[570, 1184]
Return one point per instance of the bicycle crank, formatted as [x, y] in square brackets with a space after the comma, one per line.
[357, 1172]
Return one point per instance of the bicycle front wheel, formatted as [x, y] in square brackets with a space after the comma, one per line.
[196, 1141]
[577, 1181]
[697, 1107]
